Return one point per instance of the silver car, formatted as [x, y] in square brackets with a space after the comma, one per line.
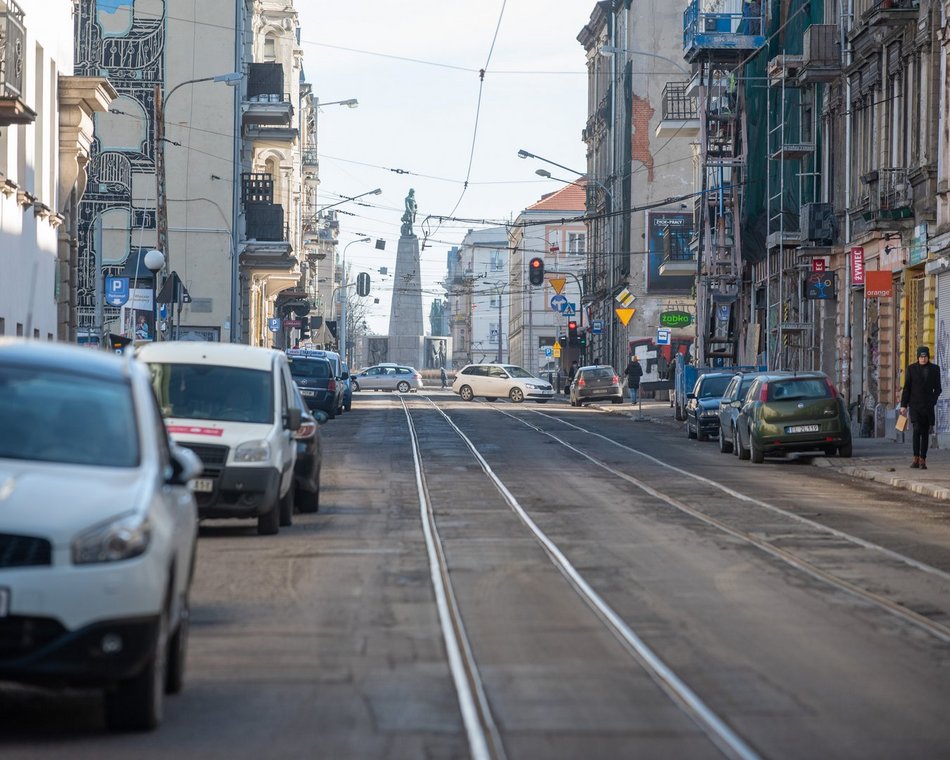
[387, 377]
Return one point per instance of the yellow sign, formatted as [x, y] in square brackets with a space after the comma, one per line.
[625, 314]
[558, 284]
[557, 345]
[557, 351]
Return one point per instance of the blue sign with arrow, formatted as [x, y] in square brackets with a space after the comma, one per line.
[117, 291]
[558, 303]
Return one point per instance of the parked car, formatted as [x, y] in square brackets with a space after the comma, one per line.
[702, 404]
[234, 406]
[494, 381]
[318, 386]
[388, 377]
[596, 383]
[729, 406]
[309, 458]
[347, 388]
[792, 412]
[97, 532]
[339, 374]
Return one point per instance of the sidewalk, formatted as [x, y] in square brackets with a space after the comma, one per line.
[876, 459]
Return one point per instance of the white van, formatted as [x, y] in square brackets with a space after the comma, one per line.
[234, 406]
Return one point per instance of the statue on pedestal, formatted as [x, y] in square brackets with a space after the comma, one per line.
[409, 216]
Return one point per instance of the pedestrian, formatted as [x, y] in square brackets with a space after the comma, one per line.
[445, 378]
[921, 390]
[633, 372]
[570, 376]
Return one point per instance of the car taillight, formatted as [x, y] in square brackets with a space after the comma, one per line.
[418, 376]
[615, 380]
[764, 393]
[305, 431]
[831, 388]
[331, 386]
[581, 383]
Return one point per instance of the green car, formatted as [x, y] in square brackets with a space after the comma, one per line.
[786, 412]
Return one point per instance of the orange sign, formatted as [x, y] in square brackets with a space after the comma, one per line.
[878, 284]
[625, 315]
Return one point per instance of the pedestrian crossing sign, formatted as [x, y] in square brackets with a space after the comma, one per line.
[570, 310]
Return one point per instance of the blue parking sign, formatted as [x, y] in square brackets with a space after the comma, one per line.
[117, 291]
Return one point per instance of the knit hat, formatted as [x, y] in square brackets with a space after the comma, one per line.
[923, 351]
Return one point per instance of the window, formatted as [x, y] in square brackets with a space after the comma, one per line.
[576, 242]
[497, 261]
[493, 333]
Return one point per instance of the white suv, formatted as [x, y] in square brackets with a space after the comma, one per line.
[97, 530]
[495, 381]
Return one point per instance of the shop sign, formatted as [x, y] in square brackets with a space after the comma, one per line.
[918, 245]
[818, 264]
[675, 319]
[878, 284]
[857, 266]
[820, 286]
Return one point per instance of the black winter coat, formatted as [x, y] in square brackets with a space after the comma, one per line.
[633, 372]
[922, 388]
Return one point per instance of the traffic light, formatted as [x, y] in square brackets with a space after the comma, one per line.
[572, 332]
[582, 338]
[536, 271]
[362, 284]
[304, 328]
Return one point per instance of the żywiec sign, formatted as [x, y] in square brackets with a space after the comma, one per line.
[857, 266]
[675, 319]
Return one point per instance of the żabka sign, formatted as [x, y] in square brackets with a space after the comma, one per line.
[675, 319]
[857, 266]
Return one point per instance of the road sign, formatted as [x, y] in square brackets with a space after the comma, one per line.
[557, 346]
[569, 310]
[558, 283]
[597, 326]
[117, 290]
[625, 314]
[548, 351]
[557, 351]
[558, 303]
[291, 323]
[663, 336]
[273, 324]
[174, 291]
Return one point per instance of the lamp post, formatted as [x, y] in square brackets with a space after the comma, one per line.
[154, 261]
[343, 286]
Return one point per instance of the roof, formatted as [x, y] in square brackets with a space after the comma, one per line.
[571, 197]
[208, 352]
[62, 356]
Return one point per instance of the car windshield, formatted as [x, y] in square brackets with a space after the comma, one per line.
[799, 389]
[599, 372]
[211, 392]
[309, 368]
[50, 415]
[517, 371]
[713, 387]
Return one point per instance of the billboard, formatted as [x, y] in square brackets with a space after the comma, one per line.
[667, 237]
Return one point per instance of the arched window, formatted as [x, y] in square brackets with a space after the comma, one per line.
[124, 127]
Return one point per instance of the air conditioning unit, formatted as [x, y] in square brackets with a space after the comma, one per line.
[817, 223]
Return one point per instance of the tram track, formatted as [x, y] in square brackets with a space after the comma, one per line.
[483, 735]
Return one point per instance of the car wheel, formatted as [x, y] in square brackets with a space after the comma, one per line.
[700, 435]
[287, 508]
[268, 524]
[178, 651]
[573, 402]
[755, 451]
[846, 450]
[516, 395]
[354, 385]
[689, 430]
[348, 406]
[678, 413]
[724, 446]
[308, 502]
[137, 703]
[403, 387]
[741, 451]
[331, 413]
[466, 393]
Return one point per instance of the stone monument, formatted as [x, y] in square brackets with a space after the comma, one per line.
[406, 325]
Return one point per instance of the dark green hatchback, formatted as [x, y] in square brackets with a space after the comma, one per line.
[786, 413]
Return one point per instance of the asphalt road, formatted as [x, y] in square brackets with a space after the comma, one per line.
[626, 593]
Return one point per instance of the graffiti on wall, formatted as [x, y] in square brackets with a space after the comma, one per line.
[132, 59]
[655, 360]
[943, 361]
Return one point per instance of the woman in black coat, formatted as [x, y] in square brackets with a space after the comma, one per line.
[921, 390]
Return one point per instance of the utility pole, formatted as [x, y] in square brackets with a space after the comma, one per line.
[500, 289]
[161, 199]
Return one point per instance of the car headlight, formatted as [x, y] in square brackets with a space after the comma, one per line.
[710, 413]
[124, 537]
[252, 451]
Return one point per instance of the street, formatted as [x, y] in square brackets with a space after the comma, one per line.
[539, 581]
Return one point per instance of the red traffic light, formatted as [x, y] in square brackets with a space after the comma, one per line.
[536, 271]
[572, 325]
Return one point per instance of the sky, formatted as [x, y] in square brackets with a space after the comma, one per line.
[425, 112]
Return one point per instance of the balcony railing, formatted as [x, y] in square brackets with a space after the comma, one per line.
[894, 190]
[13, 61]
[821, 54]
[309, 157]
[265, 222]
[720, 35]
[257, 188]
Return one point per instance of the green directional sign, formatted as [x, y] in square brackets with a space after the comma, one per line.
[675, 319]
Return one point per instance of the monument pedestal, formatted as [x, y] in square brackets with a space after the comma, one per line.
[406, 324]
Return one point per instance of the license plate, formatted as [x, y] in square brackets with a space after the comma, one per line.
[802, 429]
[202, 485]
[4, 602]
[307, 393]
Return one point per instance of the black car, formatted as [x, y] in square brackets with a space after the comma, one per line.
[729, 406]
[596, 383]
[319, 386]
[702, 405]
[307, 467]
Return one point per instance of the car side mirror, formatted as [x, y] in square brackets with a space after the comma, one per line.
[320, 416]
[293, 418]
[736, 404]
[185, 465]
[690, 395]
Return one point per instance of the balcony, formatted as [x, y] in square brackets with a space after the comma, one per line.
[266, 105]
[310, 159]
[821, 54]
[13, 61]
[722, 37]
[891, 194]
[267, 237]
[679, 117]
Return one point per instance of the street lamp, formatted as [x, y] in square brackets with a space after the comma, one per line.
[347, 199]
[546, 174]
[525, 154]
[154, 261]
[343, 286]
[349, 103]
